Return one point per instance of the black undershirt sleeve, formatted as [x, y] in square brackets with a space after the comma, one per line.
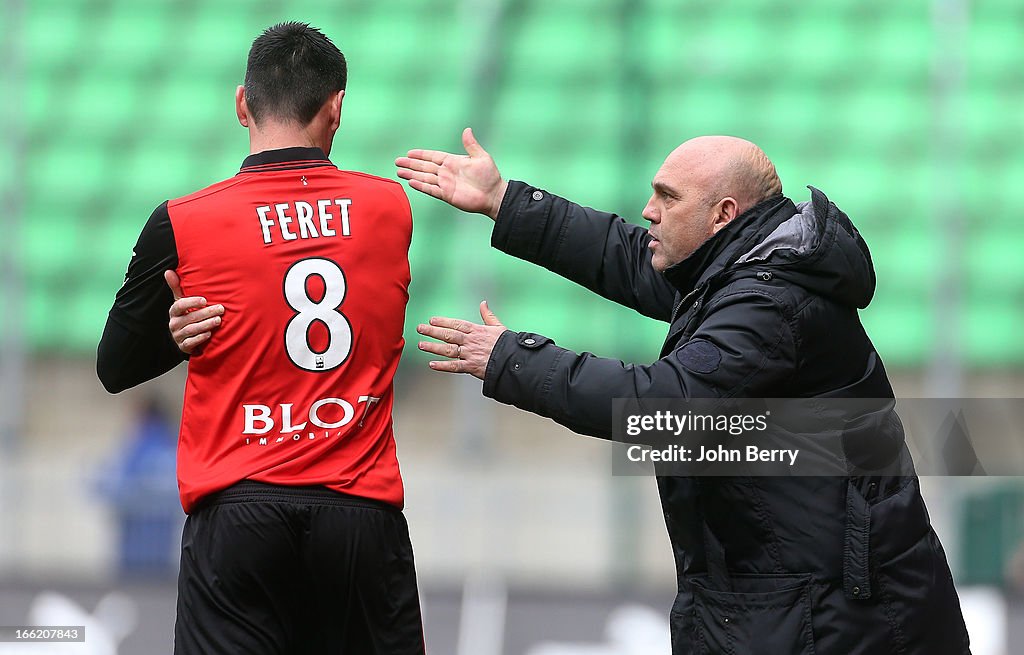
[136, 345]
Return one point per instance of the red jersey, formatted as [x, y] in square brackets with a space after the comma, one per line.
[295, 386]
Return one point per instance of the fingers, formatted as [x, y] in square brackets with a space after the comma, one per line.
[429, 189]
[446, 334]
[450, 366]
[452, 332]
[436, 156]
[174, 282]
[196, 328]
[420, 169]
[489, 317]
[426, 178]
[422, 165]
[202, 314]
[467, 345]
[183, 306]
[442, 349]
[192, 323]
[469, 142]
[453, 323]
[189, 345]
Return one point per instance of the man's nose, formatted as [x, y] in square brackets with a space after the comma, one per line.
[649, 212]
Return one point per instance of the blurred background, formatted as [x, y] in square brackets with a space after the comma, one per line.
[909, 115]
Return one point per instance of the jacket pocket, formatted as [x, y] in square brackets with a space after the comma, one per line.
[763, 615]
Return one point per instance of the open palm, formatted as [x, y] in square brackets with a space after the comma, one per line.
[469, 182]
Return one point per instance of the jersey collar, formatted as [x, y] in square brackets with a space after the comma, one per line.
[285, 159]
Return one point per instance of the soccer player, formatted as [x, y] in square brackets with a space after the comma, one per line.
[295, 540]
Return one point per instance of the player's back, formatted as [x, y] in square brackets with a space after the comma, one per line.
[295, 388]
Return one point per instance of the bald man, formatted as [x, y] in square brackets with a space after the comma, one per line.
[761, 296]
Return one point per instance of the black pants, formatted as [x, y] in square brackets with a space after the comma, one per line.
[296, 570]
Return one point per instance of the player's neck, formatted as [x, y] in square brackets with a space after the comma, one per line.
[276, 137]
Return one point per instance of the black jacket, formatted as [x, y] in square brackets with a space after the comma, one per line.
[767, 308]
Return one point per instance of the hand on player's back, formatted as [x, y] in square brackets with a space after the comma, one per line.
[469, 182]
[192, 322]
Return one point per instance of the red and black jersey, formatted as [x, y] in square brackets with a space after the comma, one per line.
[311, 266]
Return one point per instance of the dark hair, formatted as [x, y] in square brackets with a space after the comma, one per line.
[292, 70]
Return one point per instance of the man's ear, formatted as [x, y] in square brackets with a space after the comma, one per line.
[725, 211]
[241, 108]
[336, 101]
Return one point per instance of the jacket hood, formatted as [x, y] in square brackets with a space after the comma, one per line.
[812, 244]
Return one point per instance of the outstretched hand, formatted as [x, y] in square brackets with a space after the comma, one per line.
[469, 182]
[191, 322]
[467, 345]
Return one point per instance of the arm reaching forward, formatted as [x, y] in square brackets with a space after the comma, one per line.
[598, 250]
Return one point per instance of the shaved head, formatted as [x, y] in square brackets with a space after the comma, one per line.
[703, 185]
[727, 166]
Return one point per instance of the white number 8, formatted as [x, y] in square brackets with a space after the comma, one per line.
[296, 333]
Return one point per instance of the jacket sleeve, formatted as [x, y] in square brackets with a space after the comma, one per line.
[744, 347]
[597, 250]
[136, 345]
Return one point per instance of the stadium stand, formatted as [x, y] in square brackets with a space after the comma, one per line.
[128, 103]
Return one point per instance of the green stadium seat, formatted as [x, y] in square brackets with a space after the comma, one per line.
[54, 34]
[554, 316]
[992, 12]
[994, 52]
[158, 171]
[901, 328]
[1008, 192]
[994, 268]
[8, 168]
[865, 188]
[374, 103]
[41, 330]
[707, 106]
[218, 38]
[663, 46]
[225, 160]
[552, 31]
[89, 6]
[395, 39]
[897, 49]
[992, 330]
[837, 52]
[797, 110]
[113, 237]
[40, 93]
[985, 135]
[84, 323]
[883, 118]
[561, 115]
[188, 103]
[135, 100]
[103, 104]
[132, 38]
[76, 174]
[908, 261]
[729, 47]
[990, 187]
[52, 240]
